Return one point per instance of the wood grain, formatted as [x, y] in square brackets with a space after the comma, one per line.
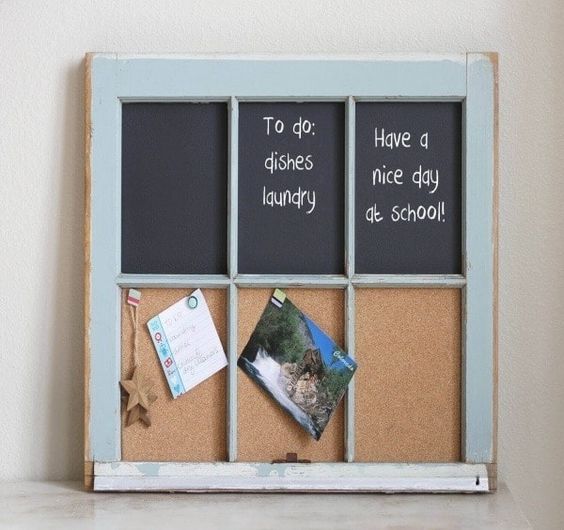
[87, 263]
[494, 57]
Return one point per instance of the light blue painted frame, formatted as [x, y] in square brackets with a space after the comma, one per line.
[113, 79]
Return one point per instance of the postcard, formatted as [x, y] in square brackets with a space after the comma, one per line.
[297, 364]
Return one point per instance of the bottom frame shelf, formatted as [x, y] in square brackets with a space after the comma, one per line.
[256, 477]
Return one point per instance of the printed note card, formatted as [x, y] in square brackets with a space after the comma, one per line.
[187, 343]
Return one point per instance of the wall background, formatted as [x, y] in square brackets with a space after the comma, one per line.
[41, 196]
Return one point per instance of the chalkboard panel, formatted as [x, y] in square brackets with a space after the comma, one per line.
[291, 188]
[408, 188]
[174, 188]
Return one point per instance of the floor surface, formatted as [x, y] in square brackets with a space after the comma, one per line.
[64, 505]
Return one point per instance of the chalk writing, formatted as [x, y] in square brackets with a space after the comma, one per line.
[408, 193]
[424, 178]
[291, 170]
[303, 199]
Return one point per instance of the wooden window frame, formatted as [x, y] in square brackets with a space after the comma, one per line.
[113, 79]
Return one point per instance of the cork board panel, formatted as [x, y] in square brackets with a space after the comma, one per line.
[265, 431]
[408, 384]
[191, 428]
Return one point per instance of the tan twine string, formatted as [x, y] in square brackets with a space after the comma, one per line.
[134, 321]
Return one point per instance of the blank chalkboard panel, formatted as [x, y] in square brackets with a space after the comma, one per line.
[291, 188]
[174, 188]
[408, 188]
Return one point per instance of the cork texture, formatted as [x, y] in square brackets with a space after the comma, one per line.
[265, 431]
[408, 385]
[408, 348]
[191, 428]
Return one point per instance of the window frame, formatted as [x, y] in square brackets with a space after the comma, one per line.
[114, 79]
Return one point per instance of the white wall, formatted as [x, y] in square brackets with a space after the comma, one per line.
[41, 196]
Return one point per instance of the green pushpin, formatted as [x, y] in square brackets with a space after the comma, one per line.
[192, 302]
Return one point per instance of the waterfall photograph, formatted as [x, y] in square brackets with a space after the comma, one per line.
[297, 364]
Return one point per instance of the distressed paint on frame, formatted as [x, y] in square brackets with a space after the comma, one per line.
[112, 78]
[344, 477]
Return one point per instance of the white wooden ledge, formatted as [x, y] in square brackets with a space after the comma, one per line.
[320, 477]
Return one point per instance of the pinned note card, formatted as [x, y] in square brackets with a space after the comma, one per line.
[187, 343]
